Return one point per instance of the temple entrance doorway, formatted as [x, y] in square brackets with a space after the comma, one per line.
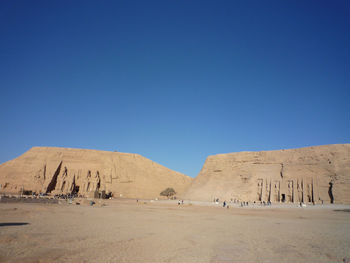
[283, 198]
[75, 190]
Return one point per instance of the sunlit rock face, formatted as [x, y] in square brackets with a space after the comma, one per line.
[87, 173]
[318, 174]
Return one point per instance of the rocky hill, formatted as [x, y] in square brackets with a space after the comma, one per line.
[88, 173]
[313, 174]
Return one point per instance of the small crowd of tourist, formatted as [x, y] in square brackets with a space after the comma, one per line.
[180, 202]
[241, 203]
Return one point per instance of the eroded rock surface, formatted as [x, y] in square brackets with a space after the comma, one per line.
[318, 174]
[88, 173]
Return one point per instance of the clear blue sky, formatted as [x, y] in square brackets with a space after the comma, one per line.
[174, 81]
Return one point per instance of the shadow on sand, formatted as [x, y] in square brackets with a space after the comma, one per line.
[342, 210]
[13, 224]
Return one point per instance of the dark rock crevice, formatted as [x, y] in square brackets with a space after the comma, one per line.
[281, 172]
[330, 192]
[52, 184]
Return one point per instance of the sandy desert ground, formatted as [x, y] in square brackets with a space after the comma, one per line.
[127, 231]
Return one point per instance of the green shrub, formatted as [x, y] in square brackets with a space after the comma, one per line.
[168, 192]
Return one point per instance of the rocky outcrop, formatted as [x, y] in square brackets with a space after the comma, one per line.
[318, 174]
[88, 173]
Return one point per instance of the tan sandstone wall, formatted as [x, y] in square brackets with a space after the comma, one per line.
[64, 170]
[312, 174]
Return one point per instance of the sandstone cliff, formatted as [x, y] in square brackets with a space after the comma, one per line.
[313, 174]
[88, 172]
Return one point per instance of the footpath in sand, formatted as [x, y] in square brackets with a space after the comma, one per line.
[127, 231]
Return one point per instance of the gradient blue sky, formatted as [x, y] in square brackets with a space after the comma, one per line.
[174, 81]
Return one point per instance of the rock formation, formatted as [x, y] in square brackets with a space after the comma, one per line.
[88, 173]
[318, 174]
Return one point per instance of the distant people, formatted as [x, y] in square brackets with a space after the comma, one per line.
[179, 203]
[224, 204]
[182, 201]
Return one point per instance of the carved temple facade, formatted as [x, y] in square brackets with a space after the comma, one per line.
[289, 190]
[87, 183]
